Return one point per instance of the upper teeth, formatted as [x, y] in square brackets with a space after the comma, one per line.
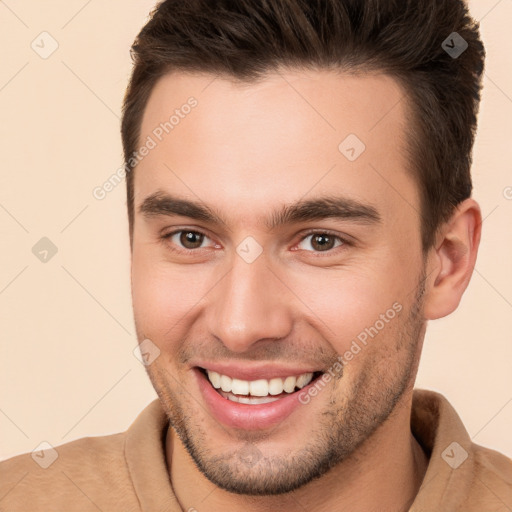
[260, 387]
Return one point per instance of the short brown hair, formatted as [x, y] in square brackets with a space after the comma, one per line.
[247, 39]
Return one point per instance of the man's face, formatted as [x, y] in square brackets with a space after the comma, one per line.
[258, 295]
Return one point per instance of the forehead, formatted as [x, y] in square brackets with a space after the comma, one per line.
[293, 133]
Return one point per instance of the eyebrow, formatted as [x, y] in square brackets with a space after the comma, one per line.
[336, 207]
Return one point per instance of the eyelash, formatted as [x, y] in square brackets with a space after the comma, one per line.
[344, 241]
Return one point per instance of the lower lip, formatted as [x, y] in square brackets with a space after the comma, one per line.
[246, 416]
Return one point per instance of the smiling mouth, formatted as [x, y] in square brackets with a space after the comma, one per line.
[259, 391]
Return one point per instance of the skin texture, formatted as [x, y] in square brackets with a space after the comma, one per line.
[246, 150]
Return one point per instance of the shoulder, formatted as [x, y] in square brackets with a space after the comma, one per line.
[493, 472]
[491, 460]
[461, 475]
[85, 474]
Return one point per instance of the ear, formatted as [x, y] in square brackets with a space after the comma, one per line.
[452, 259]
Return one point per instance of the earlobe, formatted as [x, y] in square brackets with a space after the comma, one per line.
[453, 259]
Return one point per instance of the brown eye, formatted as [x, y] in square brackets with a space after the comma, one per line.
[185, 240]
[321, 242]
[191, 239]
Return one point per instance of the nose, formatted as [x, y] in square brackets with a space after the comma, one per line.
[248, 305]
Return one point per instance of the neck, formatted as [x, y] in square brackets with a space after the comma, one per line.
[383, 475]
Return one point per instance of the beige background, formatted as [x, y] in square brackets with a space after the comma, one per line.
[67, 368]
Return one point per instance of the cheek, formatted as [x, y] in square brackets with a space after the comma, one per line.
[165, 297]
[350, 305]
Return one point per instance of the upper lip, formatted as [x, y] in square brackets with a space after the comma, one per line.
[255, 372]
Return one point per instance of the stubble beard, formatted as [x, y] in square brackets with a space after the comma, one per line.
[352, 415]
